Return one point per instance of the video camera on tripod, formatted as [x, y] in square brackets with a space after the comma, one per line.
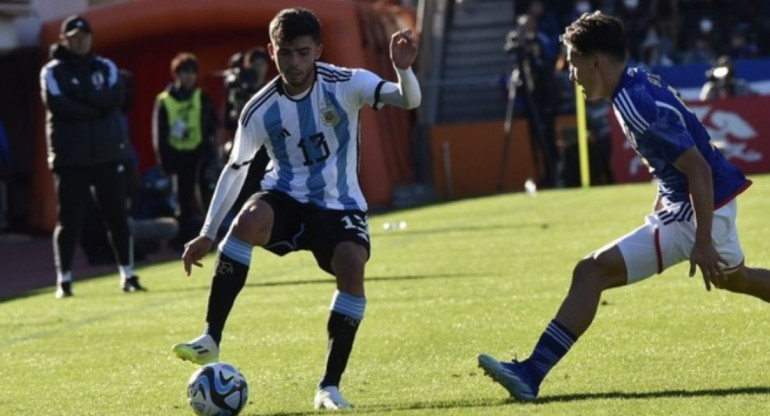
[514, 42]
[521, 39]
[522, 44]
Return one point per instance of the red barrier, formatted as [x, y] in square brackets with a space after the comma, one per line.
[739, 127]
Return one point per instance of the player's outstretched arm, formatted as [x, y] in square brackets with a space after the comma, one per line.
[403, 51]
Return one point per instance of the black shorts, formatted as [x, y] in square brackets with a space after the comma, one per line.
[298, 226]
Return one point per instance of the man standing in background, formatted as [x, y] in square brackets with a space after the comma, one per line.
[87, 148]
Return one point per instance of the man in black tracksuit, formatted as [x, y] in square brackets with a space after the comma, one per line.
[88, 151]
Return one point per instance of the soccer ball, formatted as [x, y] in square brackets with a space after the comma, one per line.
[217, 389]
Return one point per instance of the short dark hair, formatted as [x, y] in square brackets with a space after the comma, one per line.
[292, 23]
[184, 61]
[597, 32]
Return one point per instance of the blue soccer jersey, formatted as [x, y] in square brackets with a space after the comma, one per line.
[660, 128]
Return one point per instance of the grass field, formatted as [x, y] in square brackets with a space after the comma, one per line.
[472, 276]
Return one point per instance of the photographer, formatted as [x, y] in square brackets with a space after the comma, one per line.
[535, 58]
[722, 82]
[242, 80]
[241, 83]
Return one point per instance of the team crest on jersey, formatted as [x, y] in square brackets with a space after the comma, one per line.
[329, 116]
[97, 79]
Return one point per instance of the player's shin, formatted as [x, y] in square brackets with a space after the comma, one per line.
[347, 311]
[232, 267]
[553, 344]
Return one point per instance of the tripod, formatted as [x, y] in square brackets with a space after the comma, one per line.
[521, 75]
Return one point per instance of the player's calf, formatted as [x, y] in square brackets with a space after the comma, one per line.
[749, 281]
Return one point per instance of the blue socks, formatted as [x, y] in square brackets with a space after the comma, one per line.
[237, 250]
[552, 346]
[348, 305]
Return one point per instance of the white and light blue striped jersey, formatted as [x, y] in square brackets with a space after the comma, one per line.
[660, 128]
[313, 142]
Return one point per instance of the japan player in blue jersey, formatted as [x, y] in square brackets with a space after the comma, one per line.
[693, 214]
[308, 120]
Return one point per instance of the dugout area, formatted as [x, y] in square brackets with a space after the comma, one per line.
[142, 36]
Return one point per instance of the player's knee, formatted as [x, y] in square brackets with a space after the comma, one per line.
[588, 272]
[253, 225]
[349, 259]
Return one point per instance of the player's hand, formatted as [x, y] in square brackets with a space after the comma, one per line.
[705, 256]
[403, 48]
[194, 251]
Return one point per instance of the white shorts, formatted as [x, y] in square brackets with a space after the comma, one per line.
[667, 238]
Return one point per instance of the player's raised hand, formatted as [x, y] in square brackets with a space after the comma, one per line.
[194, 251]
[705, 257]
[403, 48]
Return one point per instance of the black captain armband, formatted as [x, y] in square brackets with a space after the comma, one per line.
[377, 91]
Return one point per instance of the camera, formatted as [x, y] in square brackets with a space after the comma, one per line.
[521, 38]
[512, 41]
[722, 72]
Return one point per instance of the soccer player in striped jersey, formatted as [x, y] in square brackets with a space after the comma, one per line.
[693, 214]
[308, 120]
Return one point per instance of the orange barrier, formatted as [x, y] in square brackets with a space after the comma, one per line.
[143, 35]
[470, 156]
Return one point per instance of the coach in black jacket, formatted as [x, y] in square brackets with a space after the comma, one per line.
[87, 147]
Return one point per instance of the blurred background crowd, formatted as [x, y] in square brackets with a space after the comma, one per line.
[668, 32]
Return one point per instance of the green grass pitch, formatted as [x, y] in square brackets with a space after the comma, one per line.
[471, 276]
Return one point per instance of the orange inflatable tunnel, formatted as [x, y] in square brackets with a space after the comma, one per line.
[143, 35]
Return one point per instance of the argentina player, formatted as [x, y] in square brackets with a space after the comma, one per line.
[693, 215]
[307, 119]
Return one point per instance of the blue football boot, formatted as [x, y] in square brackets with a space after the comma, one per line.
[514, 376]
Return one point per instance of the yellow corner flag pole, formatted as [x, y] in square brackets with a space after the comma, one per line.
[580, 110]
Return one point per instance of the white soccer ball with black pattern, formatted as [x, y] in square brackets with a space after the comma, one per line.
[217, 389]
